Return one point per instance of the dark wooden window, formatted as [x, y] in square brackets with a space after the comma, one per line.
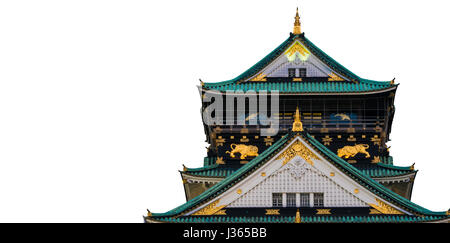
[302, 72]
[277, 199]
[291, 200]
[304, 199]
[291, 72]
[318, 199]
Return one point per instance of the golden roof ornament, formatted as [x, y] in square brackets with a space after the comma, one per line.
[297, 217]
[297, 29]
[297, 126]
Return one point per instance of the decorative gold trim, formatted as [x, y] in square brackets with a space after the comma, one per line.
[334, 77]
[297, 126]
[327, 140]
[356, 191]
[297, 79]
[239, 191]
[259, 78]
[352, 151]
[298, 148]
[384, 208]
[268, 140]
[297, 217]
[376, 159]
[351, 138]
[220, 161]
[376, 140]
[324, 130]
[243, 162]
[244, 130]
[272, 212]
[217, 130]
[351, 130]
[374, 211]
[331, 174]
[220, 141]
[244, 139]
[244, 150]
[210, 209]
[263, 174]
[221, 212]
[323, 211]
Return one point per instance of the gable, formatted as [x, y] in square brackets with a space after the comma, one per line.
[300, 168]
[296, 57]
[298, 177]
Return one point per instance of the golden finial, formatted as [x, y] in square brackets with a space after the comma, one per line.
[297, 217]
[412, 166]
[297, 126]
[297, 29]
[149, 214]
[184, 168]
[392, 81]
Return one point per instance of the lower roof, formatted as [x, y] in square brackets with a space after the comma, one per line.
[247, 169]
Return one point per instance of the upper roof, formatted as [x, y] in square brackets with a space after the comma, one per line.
[361, 178]
[333, 77]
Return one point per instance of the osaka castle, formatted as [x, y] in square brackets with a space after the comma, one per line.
[307, 144]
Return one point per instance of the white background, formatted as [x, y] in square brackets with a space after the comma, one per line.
[99, 107]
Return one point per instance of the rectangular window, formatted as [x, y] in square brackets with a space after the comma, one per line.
[318, 199]
[277, 199]
[304, 199]
[302, 72]
[291, 200]
[291, 72]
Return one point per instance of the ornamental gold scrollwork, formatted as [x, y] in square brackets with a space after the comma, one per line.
[244, 150]
[210, 209]
[351, 151]
[298, 148]
[384, 208]
[334, 77]
[272, 211]
[259, 78]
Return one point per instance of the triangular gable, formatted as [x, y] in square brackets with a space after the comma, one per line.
[298, 168]
[297, 56]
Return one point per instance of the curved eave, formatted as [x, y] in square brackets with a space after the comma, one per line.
[374, 91]
[303, 219]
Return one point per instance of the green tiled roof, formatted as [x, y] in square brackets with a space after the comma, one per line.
[357, 85]
[211, 171]
[302, 87]
[347, 168]
[304, 219]
[383, 170]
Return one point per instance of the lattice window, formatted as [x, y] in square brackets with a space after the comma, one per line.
[277, 199]
[291, 200]
[304, 199]
[318, 199]
[291, 72]
[302, 72]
